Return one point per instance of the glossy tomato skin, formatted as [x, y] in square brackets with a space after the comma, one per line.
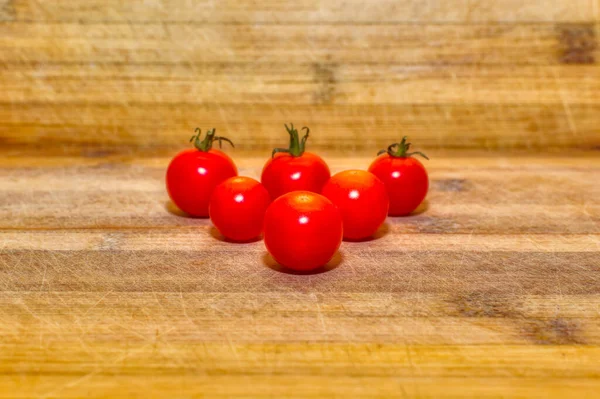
[193, 175]
[285, 173]
[303, 230]
[237, 208]
[406, 181]
[361, 198]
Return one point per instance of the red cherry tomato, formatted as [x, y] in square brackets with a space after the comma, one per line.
[405, 178]
[237, 208]
[193, 174]
[361, 198]
[303, 230]
[293, 169]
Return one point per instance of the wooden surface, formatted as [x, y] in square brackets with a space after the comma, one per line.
[140, 75]
[492, 290]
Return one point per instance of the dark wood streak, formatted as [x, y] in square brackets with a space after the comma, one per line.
[577, 43]
[556, 331]
[7, 10]
[483, 304]
[539, 331]
[324, 75]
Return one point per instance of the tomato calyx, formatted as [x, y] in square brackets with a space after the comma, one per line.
[400, 150]
[297, 145]
[205, 144]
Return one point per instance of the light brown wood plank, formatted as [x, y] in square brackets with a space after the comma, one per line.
[186, 321]
[305, 11]
[97, 129]
[518, 362]
[412, 44]
[243, 269]
[251, 161]
[447, 219]
[90, 307]
[96, 385]
[468, 199]
[473, 200]
[290, 84]
[284, 310]
[196, 240]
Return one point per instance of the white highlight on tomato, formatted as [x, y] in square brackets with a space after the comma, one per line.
[303, 219]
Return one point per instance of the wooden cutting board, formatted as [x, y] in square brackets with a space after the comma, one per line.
[492, 290]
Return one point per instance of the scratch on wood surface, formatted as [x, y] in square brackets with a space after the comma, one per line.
[99, 369]
[320, 313]
[7, 10]
[565, 103]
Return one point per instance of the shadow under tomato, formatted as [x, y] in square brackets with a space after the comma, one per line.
[332, 264]
[420, 209]
[216, 234]
[173, 210]
[383, 230]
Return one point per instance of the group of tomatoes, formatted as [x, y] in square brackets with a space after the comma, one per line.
[301, 210]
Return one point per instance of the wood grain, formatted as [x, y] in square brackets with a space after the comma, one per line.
[147, 128]
[104, 288]
[491, 289]
[286, 11]
[274, 84]
[424, 96]
[140, 75]
[422, 44]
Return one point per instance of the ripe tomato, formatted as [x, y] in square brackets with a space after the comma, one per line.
[303, 230]
[404, 177]
[193, 174]
[237, 208]
[361, 198]
[293, 169]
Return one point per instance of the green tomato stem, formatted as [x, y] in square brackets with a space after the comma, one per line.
[400, 150]
[297, 146]
[205, 144]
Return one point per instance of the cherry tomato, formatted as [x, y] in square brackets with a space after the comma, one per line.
[193, 174]
[303, 230]
[237, 208]
[361, 198]
[405, 178]
[293, 169]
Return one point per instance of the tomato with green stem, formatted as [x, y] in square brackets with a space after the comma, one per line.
[405, 178]
[237, 208]
[303, 230]
[293, 168]
[193, 174]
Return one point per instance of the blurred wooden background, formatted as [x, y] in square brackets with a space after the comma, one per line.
[114, 75]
